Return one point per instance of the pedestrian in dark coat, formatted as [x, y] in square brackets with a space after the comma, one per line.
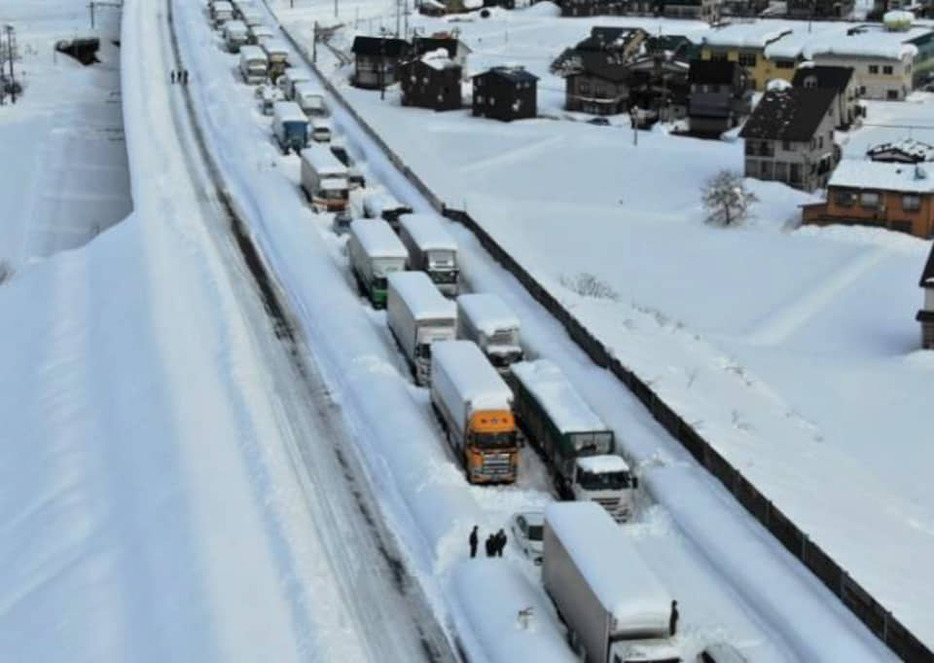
[500, 543]
[490, 545]
[673, 621]
[473, 542]
[184, 77]
[173, 77]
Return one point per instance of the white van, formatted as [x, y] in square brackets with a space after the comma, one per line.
[253, 66]
[311, 98]
[235, 35]
[290, 76]
[259, 33]
[221, 12]
[321, 129]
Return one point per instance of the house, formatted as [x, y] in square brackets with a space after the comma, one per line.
[841, 80]
[432, 80]
[456, 49]
[746, 44]
[789, 137]
[592, 7]
[906, 150]
[376, 59]
[658, 84]
[600, 84]
[888, 195]
[703, 10]
[926, 314]
[719, 97]
[807, 9]
[622, 43]
[743, 7]
[505, 93]
[677, 46]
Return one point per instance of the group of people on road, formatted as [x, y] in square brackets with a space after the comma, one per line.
[180, 76]
[495, 543]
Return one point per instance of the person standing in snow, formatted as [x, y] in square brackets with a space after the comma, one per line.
[172, 77]
[491, 545]
[184, 77]
[500, 543]
[473, 542]
[673, 621]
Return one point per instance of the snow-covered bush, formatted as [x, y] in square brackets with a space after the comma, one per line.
[586, 284]
[726, 199]
[6, 271]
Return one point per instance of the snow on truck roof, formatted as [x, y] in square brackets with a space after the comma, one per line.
[421, 296]
[472, 375]
[377, 239]
[552, 390]
[492, 613]
[307, 87]
[289, 111]
[607, 558]
[223, 7]
[276, 46]
[252, 53]
[235, 26]
[488, 312]
[427, 232]
[602, 464]
[323, 162]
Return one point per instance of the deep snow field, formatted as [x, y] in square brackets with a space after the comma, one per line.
[795, 351]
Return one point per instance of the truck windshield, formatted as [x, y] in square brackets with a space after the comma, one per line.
[495, 440]
[504, 357]
[443, 275]
[603, 480]
[536, 533]
[378, 282]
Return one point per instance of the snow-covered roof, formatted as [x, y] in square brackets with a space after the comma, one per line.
[602, 464]
[438, 59]
[488, 313]
[471, 374]
[323, 162]
[233, 27]
[421, 296]
[308, 87]
[248, 53]
[377, 239]
[376, 202]
[334, 184]
[289, 111]
[906, 148]
[896, 16]
[222, 7]
[555, 394]
[262, 30]
[295, 74]
[609, 561]
[747, 35]
[275, 46]
[427, 232]
[846, 40]
[906, 177]
[492, 613]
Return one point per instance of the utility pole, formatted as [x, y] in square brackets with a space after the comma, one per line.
[382, 66]
[314, 44]
[11, 55]
[91, 7]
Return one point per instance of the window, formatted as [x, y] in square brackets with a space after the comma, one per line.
[869, 199]
[892, 95]
[844, 198]
[911, 202]
[862, 90]
[785, 64]
[873, 69]
[786, 145]
[887, 69]
[781, 171]
[820, 143]
[719, 57]
[584, 88]
[747, 59]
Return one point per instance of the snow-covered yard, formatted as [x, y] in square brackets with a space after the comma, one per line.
[792, 350]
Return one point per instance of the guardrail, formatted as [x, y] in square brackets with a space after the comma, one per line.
[867, 609]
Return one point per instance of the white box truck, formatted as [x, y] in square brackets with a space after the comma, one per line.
[289, 77]
[431, 249]
[418, 316]
[324, 180]
[235, 35]
[259, 33]
[251, 15]
[221, 12]
[310, 97]
[374, 252]
[576, 444]
[290, 126]
[615, 608]
[474, 406]
[277, 52]
[486, 320]
[253, 66]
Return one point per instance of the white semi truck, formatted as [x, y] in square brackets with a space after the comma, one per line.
[486, 320]
[375, 252]
[615, 608]
[325, 180]
[418, 316]
[475, 409]
[431, 249]
[576, 444]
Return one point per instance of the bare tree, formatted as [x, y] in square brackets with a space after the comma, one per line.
[726, 199]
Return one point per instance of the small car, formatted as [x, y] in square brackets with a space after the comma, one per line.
[528, 531]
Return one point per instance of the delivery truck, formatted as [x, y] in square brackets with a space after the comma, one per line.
[221, 12]
[418, 316]
[324, 180]
[277, 52]
[615, 608]
[310, 97]
[375, 252]
[259, 33]
[486, 320]
[431, 250]
[380, 204]
[290, 76]
[253, 65]
[575, 443]
[290, 126]
[474, 407]
[235, 35]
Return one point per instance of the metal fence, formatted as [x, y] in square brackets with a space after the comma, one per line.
[867, 609]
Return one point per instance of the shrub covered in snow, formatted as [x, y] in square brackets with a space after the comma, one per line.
[726, 199]
[586, 284]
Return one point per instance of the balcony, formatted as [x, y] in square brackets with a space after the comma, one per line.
[759, 149]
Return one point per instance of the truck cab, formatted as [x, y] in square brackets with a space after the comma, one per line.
[606, 480]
